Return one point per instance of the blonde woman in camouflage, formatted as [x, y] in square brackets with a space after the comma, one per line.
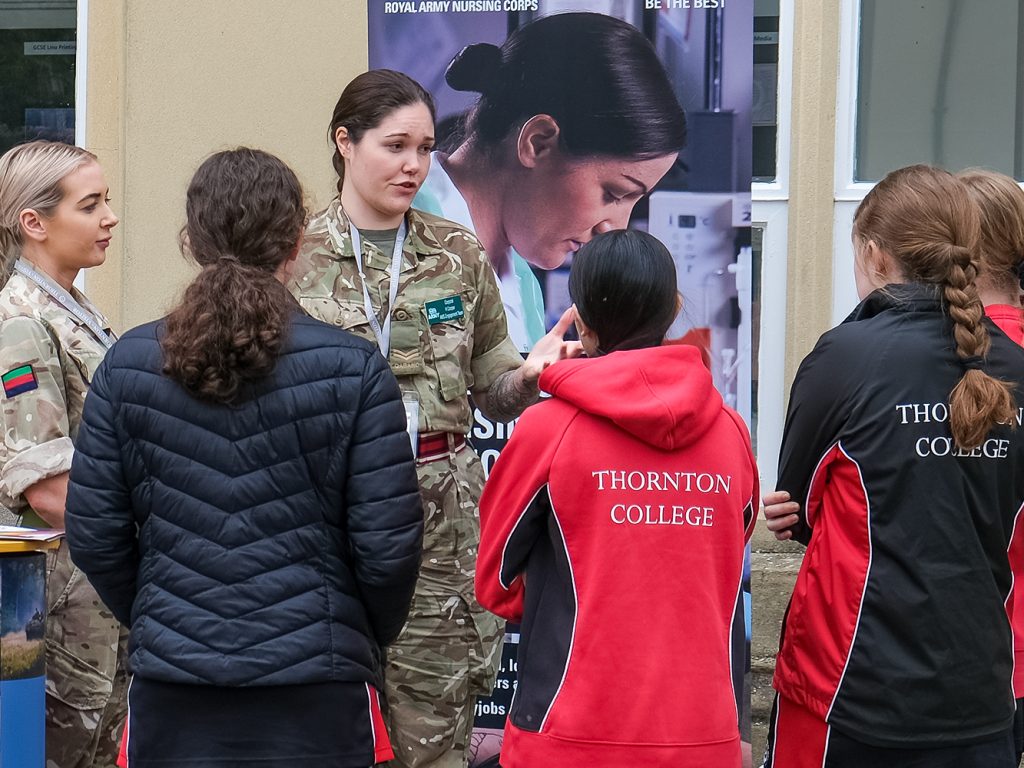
[55, 220]
[421, 288]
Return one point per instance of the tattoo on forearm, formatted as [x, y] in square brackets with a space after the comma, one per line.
[509, 396]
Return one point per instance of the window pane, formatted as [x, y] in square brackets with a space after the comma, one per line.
[37, 71]
[766, 86]
[939, 82]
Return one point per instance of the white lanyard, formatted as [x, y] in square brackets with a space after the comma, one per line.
[66, 300]
[383, 334]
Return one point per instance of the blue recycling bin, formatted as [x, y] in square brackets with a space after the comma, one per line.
[22, 653]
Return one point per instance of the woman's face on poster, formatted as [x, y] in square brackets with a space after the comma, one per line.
[562, 202]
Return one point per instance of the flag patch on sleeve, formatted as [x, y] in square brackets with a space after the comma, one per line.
[19, 380]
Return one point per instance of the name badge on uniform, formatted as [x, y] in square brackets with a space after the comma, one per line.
[445, 310]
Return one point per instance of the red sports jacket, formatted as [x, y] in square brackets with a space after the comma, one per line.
[613, 527]
[1009, 319]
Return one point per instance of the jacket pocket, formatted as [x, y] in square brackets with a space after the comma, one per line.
[405, 355]
[61, 578]
[451, 347]
[73, 681]
[343, 314]
[86, 360]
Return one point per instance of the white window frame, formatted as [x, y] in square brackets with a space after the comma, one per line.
[848, 191]
[763, 191]
[770, 211]
[81, 88]
[773, 217]
[81, 80]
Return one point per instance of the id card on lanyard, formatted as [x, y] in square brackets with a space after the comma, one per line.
[383, 332]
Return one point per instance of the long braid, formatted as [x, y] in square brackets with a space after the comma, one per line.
[963, 304]
[925, 220]
[979, 401]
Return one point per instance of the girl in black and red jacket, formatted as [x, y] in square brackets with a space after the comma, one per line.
[907, 477]
[613, 527]
[1000, 201]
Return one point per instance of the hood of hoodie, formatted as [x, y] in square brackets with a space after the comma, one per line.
[663, 396]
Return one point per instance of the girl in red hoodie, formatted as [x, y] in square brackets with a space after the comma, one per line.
[613, 528]
[1000, 282]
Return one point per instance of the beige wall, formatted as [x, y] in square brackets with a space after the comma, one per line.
[812, 174]
[812, 138]
[169, 83]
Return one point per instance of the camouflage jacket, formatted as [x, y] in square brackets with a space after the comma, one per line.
[448, 331]
[47, 359]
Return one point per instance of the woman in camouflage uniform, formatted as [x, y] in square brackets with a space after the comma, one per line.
[421, 287]
[55, 220]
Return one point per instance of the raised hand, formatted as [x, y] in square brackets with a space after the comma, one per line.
[551, 348]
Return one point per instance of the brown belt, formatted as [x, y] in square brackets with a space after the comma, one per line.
[435, 445]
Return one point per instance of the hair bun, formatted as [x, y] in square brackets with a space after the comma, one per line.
[475, 68]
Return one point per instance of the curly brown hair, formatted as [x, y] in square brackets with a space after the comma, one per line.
[924, 218]
[244, 217]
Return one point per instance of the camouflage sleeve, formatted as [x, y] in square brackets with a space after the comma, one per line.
[37, 442]
[494, 352]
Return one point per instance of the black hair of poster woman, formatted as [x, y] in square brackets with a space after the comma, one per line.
[623, 284]
[597, 76]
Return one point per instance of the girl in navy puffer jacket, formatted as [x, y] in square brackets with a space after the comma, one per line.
[243, 496]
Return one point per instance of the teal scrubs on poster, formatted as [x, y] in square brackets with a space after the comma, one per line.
[441, 197]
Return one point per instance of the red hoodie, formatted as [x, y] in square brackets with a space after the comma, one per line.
[624, 503]
[1008, 319]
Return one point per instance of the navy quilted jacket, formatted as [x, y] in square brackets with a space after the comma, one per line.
[274, 541]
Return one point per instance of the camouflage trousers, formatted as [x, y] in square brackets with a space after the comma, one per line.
[86, 673]
[449, 650]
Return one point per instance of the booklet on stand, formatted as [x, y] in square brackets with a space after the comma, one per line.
[16, 533]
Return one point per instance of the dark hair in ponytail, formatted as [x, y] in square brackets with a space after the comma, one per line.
[244, 217]
[367, 100]
[597, 76]
[623, 284]
[925, 219]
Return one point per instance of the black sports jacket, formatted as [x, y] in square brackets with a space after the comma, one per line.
[897, 632]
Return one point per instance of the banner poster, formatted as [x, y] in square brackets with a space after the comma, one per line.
[700, 207]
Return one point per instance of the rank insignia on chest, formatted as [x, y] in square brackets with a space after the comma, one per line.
[19, 380]
[444, 310]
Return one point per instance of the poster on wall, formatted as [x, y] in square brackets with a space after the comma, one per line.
[511, 77]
